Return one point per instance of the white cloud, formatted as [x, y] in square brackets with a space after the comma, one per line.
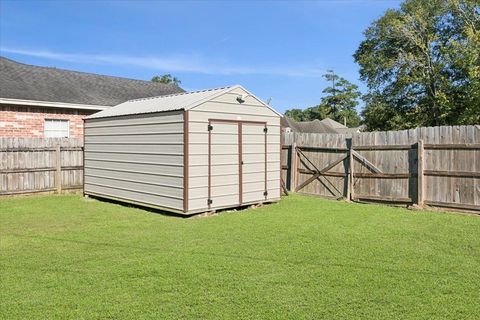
[171, 64]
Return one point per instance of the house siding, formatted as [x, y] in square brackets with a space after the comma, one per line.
[137, 158]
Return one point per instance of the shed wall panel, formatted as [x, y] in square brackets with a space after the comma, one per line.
[247, 110]
[231, 97]
[147, 177]
[135, 148]
[137, 158]
[230, 170]
[154, 139]
[204, 115]
[147, 128]
[137, 185]
[226, 107]
[173, 160]
[132, 166]
[134, 196]
[136, 119]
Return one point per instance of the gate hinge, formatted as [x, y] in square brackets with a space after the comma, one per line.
[210, 127]
[265, 129]
[209, 201]
[265, 193]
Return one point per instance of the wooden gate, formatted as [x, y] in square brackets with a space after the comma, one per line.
[322, 171]
[317, 164]
[385, 173]
[437, 166]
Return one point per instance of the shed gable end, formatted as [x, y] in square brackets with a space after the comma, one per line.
[240, 100]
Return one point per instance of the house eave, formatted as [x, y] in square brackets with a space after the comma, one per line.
[52, 104]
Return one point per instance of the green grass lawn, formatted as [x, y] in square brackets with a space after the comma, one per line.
[65, 257]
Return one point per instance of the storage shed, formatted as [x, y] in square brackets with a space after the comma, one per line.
[186, 153]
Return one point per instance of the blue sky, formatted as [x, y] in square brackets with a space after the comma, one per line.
[277, 50]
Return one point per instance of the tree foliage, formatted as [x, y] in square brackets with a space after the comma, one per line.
[338, 103]
[296, 114]
[421, 64]
[166, 78]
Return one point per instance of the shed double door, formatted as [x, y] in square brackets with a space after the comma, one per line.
[237, 162]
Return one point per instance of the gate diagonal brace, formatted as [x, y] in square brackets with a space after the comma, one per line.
[365, 162]
[317, 175]
[317, 172]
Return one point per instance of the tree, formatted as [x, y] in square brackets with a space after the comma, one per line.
[421, 64]
[295, 114]
[166, 78]
[378, 115]
[338, 103]
[340, 100]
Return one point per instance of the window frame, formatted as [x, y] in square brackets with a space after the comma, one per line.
[45, 120]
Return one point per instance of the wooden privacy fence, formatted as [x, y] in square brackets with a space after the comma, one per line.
[40, 165]
[436, 166]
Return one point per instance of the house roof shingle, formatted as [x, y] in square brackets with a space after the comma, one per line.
[28, 82]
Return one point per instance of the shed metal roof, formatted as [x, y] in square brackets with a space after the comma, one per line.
[180, 101]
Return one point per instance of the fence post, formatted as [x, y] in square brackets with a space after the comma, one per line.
[58, 171]
[350, 181]
[420, 176]
[293, 167]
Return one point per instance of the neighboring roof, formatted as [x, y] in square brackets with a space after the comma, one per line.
[179, 101]
[27, 82]
[317, 126]
[333, 124]
[340, 128]
[351, 130]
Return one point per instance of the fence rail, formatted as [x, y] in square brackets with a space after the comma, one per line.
[437, 166]
[30, 165]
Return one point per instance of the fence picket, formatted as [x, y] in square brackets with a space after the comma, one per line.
[451, 162]
[35, 165]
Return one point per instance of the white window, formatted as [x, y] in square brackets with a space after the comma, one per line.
[56, 128]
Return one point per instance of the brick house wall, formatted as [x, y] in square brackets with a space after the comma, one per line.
[29, 121]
